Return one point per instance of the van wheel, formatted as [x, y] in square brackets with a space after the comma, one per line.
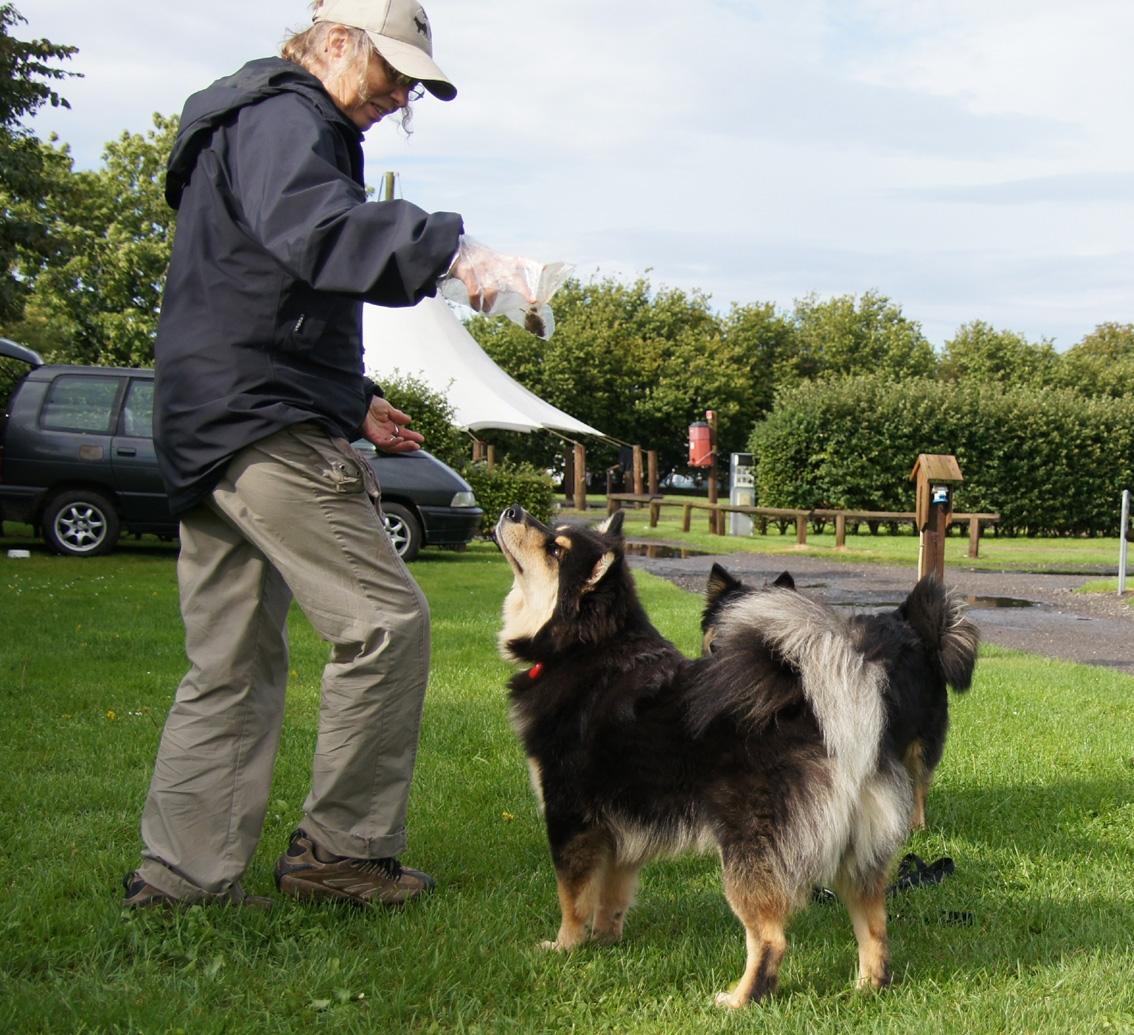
[403, 528]
[81, 522]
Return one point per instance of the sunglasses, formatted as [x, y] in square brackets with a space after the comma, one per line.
[413, 88]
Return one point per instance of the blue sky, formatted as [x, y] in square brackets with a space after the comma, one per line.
[970, 159]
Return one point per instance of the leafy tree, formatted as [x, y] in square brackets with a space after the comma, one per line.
[26, 75]
[765, 341]
[980, 351]
[97, 300]
[1102, 363]
[847, 336]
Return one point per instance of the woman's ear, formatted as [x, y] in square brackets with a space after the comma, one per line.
[335, 45]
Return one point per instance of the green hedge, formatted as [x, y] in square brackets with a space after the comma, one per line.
[1049, 461]
[509, 483]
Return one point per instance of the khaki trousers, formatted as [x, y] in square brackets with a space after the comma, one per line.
[292, 517]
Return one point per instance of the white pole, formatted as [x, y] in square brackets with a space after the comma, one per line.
[1122, 544]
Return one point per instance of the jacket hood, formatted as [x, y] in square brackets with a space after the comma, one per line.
[212, 106]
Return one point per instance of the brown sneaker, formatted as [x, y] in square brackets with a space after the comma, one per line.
[139, 894]
[308, 872]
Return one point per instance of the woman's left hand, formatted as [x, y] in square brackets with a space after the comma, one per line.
[386, 426]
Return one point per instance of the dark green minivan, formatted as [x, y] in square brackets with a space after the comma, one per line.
[77, 461]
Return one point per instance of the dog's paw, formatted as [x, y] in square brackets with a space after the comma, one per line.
[876, 981]
[731, 1000]
[556, 946]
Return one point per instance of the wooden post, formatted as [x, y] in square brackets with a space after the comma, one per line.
[477, 450]
[655, 513]
[491, 456]
[686, 514]
[933, 554]
[935, 475]
[580, 476]
[714, 515]
[652, 470]
[974, 537]
[569, 475]
[639, 486]
[801, 529]
[840, 531]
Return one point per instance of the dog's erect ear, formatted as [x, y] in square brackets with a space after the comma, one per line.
[720, 582]
[613, 524]
[784, 581]
[602, 566]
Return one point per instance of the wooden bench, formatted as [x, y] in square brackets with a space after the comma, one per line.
[800, 517]
[615, 500]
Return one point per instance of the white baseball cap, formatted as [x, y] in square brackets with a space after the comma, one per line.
[400, 32]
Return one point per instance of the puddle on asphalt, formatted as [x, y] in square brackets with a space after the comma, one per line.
[657, 551]
[988, 603]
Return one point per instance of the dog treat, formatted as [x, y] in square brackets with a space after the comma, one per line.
[533, 323]
[496, 284]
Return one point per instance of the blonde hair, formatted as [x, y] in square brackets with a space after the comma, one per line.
[342, 76]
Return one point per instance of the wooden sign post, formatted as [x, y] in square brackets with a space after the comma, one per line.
[935, 475]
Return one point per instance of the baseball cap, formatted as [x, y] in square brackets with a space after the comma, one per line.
[400, 32]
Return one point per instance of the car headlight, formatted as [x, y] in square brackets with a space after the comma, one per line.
[463, 499]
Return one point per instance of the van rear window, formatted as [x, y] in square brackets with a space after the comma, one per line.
[78, 402]
[138, 413]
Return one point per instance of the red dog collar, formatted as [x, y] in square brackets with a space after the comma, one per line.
[536, 670]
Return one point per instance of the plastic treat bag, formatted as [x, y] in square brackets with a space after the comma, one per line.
[505, 285]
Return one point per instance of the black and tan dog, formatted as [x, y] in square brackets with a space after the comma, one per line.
[924, 646]
[775, 750]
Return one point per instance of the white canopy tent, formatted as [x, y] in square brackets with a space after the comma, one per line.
[429, 342]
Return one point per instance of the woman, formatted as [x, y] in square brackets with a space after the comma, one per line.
[259, 389]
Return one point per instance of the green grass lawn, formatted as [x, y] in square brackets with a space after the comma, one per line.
[1034, 801]
[1109, 587]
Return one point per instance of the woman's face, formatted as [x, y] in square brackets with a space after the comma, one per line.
[387, 93]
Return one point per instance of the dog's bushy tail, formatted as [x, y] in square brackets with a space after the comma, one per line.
[785, 630]
[938, 617]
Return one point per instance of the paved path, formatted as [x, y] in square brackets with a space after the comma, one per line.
[1038, 613]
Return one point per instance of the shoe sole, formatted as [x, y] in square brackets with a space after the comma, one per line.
[310, 891]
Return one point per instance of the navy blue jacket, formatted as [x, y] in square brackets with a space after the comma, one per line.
[275, 251]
